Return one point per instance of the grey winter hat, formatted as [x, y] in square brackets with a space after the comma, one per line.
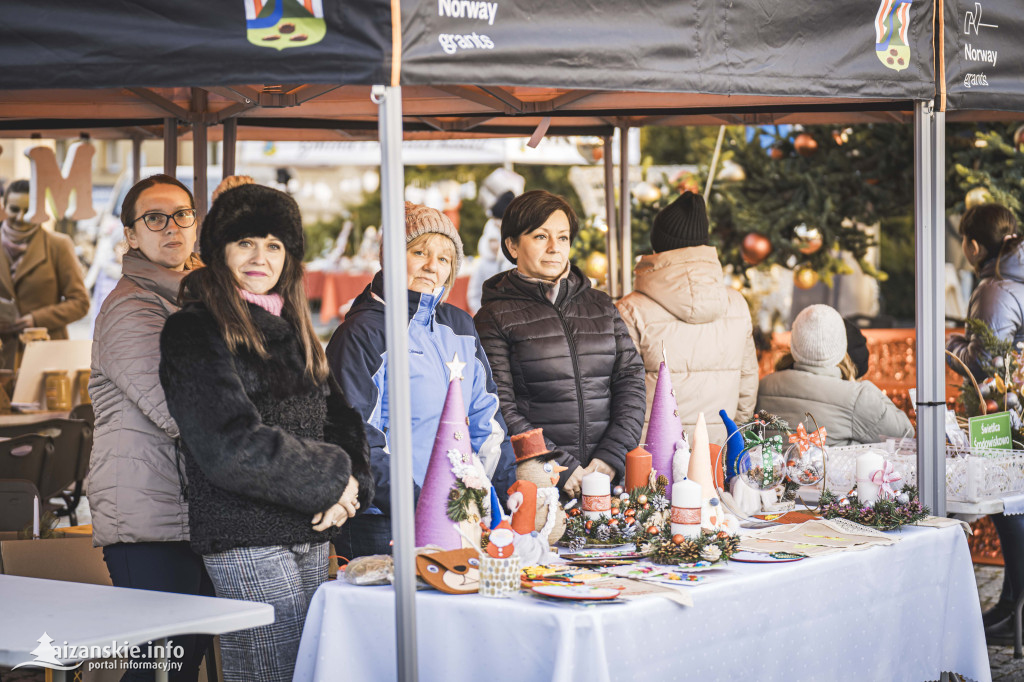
[819, 337]
[682, 223]
[420, 220]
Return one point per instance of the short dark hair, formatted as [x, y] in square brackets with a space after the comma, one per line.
[994, 227]
[17, 187]
[128, 216]
[529, 211]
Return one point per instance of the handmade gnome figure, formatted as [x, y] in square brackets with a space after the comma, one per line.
[664, 428]
[451, 462]
[537, 466]
[501, 541]
[742, 498]
[680, 460]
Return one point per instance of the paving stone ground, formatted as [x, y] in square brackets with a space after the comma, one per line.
[1000, 658]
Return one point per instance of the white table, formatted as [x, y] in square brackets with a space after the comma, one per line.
[98, 615]
[905, 612]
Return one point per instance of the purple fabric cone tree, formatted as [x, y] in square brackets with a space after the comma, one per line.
[665, 428]
[432, 523]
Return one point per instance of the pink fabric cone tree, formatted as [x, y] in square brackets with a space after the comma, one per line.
[452, 440]
[665, 428]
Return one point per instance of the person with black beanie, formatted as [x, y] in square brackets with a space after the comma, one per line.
[681, 312]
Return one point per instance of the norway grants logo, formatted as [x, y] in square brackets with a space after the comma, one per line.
[891, 25]
[284, 23]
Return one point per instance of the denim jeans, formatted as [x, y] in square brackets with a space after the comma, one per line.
[364, 535]
[163, 567]
[283, 576]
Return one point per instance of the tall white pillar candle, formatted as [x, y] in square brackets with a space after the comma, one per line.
[867, 464]
[597, 495]
[35, 516]
[686, 508]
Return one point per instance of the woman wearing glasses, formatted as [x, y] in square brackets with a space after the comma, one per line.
[136, 476]
[39, 272]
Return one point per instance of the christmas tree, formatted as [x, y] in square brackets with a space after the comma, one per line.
[987, 165]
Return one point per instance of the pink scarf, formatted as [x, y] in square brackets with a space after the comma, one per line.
[272, 303]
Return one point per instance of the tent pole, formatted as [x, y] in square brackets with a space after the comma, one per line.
[611, 247]
[136, 159]
[199, 152]
[230, 138]
[170, 146]
[625, 221]
[389, 117]
[929, 228]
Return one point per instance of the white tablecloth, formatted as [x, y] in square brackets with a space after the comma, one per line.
[905, 612]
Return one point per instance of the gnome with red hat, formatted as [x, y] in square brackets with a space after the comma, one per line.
[533, 498]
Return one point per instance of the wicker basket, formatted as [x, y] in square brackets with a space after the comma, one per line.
[972, 475]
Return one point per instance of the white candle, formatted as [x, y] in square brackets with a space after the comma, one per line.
[35, 516]
[597, 495]
[686, 508]
[867, 464]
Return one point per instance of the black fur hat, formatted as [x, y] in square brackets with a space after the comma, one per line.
[251, 211]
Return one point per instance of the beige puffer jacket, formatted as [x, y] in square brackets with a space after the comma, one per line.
[680, 304]
[135, 477]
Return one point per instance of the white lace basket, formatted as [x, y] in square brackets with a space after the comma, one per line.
[972, 475]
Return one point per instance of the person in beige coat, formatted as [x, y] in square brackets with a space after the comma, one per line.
[682, 312]
[136, 482]
[39, 272]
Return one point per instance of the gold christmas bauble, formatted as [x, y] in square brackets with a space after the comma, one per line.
[590, 148]
[805, 278]
[977, 197]
[731, 172]
[1018, 139]
[646, 193]
[597, 265]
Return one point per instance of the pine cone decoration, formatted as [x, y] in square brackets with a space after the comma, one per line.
[603, 533]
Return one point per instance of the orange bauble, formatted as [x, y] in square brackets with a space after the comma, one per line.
[755, 248]
[991, 406]
[777, 153]
[805, 145]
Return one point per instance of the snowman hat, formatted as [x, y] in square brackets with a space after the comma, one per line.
[531, 445]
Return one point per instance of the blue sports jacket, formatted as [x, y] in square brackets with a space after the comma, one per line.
[357, 354]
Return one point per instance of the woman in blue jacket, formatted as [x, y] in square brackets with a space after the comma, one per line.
[357, 354]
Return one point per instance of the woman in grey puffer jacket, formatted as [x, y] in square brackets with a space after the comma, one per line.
[136, 477]
[994, 247]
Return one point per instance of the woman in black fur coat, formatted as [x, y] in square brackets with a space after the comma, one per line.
[275, 456]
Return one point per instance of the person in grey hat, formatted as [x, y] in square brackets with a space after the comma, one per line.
[821, 381]
[439, 333]
[681, 312]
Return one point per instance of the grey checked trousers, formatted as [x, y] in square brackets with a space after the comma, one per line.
[283, 576]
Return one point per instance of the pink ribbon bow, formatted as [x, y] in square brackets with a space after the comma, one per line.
[882, 477]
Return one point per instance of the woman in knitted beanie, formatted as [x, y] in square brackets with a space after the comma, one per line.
[822, 381]
[274, 454]
[438, 334]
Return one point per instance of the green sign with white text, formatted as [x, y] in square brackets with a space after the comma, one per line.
[991, 431]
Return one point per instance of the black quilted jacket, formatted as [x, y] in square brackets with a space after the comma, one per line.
[568, 367]
[265, 447]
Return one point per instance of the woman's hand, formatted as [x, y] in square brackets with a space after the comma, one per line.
[340, 512]
[23, 322]
[575, 481]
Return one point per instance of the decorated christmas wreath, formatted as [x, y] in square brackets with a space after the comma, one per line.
[885, 514]
[710, 545]
[631, 515]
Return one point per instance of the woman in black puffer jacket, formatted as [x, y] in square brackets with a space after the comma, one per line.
[560, 355]
[275, 455]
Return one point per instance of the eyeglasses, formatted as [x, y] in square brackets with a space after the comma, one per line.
[155, 222]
